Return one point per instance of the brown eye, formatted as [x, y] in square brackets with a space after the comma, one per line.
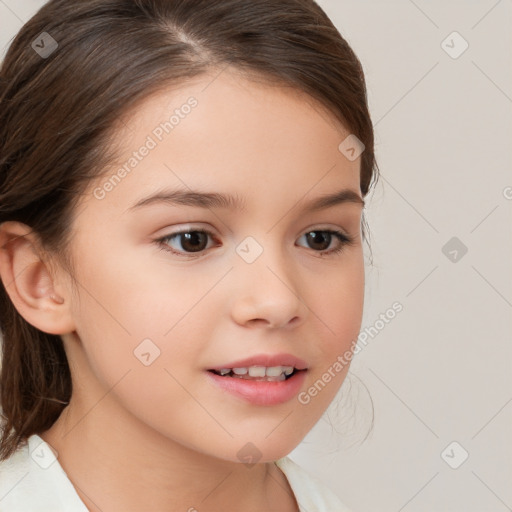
[193, 241]
[320, 240]
[186, 242]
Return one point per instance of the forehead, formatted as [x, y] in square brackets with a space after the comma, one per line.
[243, 97]
[226, 132]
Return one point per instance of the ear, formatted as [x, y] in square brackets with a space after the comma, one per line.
[29, 283]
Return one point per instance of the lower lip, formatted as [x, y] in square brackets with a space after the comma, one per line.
[260, 392]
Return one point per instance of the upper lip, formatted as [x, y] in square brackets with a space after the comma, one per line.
[267, 360]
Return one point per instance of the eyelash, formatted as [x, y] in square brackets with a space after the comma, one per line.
[344, 239]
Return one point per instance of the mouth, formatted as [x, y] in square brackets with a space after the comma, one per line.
[263, 379]
[258, 373]
[253, 385]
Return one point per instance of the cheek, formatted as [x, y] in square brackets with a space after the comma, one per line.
[340, 306]
[129, 329]
[339, 309]
[135, 296]
[131, 313]
[145, 350]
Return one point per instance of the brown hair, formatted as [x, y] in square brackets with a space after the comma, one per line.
[58, 111]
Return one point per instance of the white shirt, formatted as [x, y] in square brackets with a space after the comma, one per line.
[32, 480]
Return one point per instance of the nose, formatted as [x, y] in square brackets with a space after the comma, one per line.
[267, 292]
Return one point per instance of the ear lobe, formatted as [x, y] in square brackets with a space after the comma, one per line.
[29, 282]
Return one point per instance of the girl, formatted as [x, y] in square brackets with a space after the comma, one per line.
[182, 185]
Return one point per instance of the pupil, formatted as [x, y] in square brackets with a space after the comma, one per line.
[193, 237]
[319, 235]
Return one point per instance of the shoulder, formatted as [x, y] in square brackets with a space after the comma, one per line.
[32, 479]
[13, 471]
[311, 494]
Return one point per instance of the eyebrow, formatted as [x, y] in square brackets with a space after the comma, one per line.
[212, 200]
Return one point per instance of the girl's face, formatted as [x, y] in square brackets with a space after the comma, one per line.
[266, 277]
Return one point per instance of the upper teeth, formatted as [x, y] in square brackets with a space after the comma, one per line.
[259, 371]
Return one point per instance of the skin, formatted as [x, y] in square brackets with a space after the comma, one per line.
[162, 437]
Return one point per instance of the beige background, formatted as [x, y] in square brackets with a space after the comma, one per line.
[441, 370]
